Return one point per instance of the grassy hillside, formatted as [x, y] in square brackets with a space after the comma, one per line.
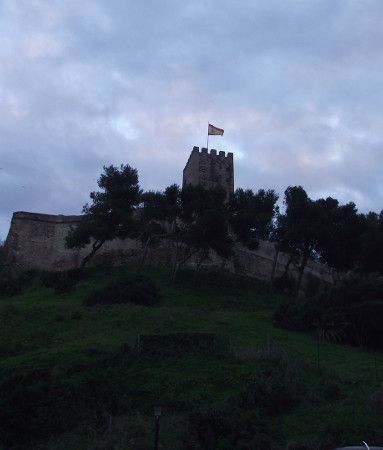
[79, 377]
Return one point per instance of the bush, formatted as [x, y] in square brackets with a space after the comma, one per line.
[285, 284]
[295, 315]
[62, 282]
[366, 324]
[350, 312]
[354, 290]
[2, 255]
[312, 285]
[8, 279]
[10, 282]
[138, 289]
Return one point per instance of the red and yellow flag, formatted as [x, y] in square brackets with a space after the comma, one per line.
[212, 130]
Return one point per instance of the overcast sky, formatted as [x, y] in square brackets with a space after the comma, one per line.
[297, 85]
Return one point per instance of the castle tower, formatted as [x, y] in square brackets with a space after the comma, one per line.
[210, 169]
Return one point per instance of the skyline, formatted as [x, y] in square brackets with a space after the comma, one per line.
[295, 85]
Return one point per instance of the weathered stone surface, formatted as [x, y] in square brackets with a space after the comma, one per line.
[210, 170]
[36, 241]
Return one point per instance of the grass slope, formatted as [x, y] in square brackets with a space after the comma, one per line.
[70, 379]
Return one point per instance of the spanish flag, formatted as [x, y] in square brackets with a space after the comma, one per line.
[212, 130]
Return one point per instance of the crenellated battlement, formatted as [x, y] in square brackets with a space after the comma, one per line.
[213, 152]
[210, 169]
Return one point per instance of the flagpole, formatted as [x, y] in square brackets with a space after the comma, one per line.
[207, 141]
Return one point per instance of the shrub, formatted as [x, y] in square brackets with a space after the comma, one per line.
[350, 312]
[312, 285]
[285, 284]
[366, 324]
[10, 282]
[294, 315]
[138, 289]
[62, 282]
[354, 290]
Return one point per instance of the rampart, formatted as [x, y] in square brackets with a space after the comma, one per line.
[210, 170]
[37, 241]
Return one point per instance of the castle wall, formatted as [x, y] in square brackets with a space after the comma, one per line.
[210, 170]
[37, 241]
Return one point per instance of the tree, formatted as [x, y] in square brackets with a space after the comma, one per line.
[321, 229]
[252, 215]
[340, 241]
[2, 254]
[299, 229]
[158, 216]
[206, 215]
[203, 225]
[112, 212]
[370, 258]
[162, 206]
[194, 220]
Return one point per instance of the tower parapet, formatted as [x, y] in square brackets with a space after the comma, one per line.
[210, 169]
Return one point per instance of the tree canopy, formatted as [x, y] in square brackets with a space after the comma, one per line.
[200, 219]
[111, 213]
[252, 215]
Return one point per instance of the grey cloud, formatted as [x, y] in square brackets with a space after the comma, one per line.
[296, 85]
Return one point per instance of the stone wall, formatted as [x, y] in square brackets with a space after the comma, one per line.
[36, 241]
[210, 170]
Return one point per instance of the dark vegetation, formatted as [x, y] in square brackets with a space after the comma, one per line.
[62, 282]
[111, 214]
[349, 312]
[137, 289]
[195, 220]
[75, 376]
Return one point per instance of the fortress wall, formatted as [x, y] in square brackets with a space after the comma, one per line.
[36, 241]
[259, 263]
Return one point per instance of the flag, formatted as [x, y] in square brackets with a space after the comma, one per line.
[212, 130]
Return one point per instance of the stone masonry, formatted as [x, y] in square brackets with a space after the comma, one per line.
[210, 170]
[37, 241]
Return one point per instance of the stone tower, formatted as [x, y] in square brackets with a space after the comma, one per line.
[210, 169]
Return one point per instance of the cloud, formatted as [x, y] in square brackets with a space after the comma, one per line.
[297, 87]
